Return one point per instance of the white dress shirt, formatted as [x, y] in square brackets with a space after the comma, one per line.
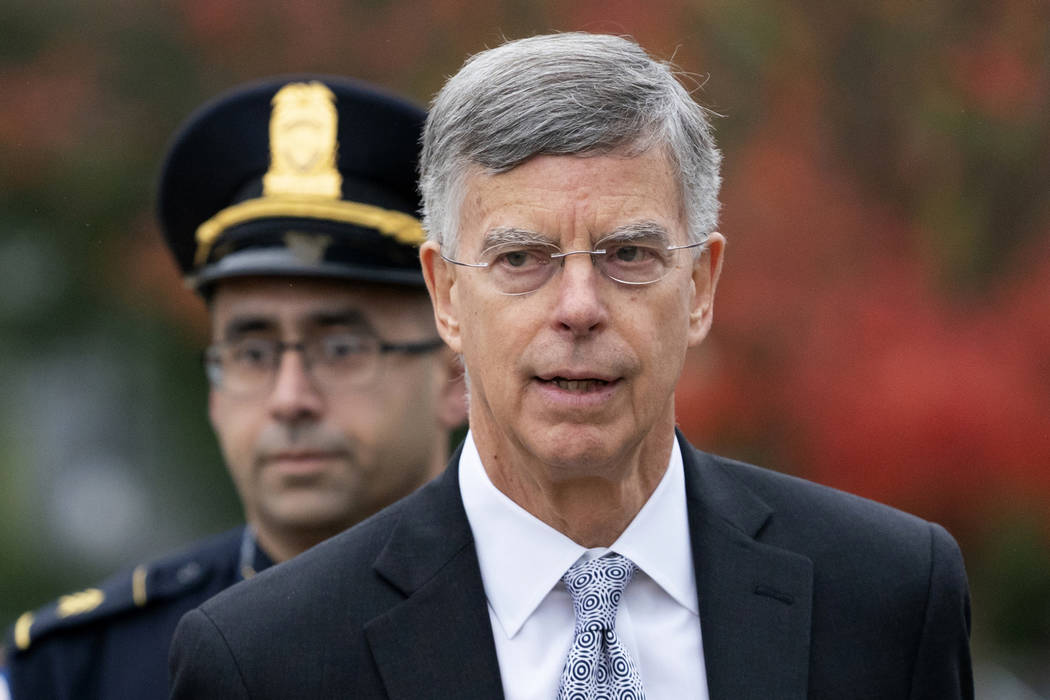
[523, 559]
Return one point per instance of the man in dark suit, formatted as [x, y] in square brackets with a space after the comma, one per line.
[290, 205]
[577, 546]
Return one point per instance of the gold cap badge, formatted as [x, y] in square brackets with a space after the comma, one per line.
[303, 143]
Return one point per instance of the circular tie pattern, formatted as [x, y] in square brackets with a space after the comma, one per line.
[598, 666]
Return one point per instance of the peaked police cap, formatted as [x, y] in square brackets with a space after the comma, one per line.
[295, 176]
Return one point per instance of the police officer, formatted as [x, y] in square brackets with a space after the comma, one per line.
[290, 206]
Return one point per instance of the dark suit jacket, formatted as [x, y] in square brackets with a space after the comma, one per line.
[804, 592]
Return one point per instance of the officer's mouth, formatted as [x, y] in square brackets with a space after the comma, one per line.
[301, 461]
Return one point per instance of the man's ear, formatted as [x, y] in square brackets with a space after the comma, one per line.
[706, 270]
[440, 279]
[452, 394]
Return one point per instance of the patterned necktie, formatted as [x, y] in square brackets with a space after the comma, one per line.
[598, 666]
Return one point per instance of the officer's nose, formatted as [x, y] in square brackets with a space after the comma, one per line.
[295, 394]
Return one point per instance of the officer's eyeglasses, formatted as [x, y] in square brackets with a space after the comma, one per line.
[520, 268]
[247, 367]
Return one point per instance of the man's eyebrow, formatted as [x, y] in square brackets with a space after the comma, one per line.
[352, 318]
[634, 231]
[247, 324]
[639, 230]
[511, 235]
[242, 325]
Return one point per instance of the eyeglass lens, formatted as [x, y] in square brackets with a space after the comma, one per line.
[249, 366]
[517, 269]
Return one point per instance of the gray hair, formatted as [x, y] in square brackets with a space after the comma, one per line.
[563, 94]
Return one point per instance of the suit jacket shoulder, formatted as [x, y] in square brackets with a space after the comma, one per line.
[880, 592]
[111, 640]
[810, 515]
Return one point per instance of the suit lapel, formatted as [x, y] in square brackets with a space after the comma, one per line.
[755, 599]
[438, 641]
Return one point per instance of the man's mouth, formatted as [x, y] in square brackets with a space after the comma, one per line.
[576, 382]
[303, 455]
[578, 385]
[302, 458]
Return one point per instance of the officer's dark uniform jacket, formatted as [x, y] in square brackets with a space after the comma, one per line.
[112, 641]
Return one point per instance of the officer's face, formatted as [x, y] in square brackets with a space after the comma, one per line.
[309, 459]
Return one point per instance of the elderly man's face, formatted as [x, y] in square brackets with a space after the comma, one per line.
[580, 372]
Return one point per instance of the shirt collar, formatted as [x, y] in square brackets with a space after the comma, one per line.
[657, 540]
[522, 558]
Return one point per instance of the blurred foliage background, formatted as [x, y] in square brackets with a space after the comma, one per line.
[883, 323]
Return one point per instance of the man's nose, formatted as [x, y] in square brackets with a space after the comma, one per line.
[295, 393]
[581, 307]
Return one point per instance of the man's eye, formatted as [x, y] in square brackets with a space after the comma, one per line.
[343, 346]
[627, 254]
[522, 258]
[251, 354]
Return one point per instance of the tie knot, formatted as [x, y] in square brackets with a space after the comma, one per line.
[596, 587]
